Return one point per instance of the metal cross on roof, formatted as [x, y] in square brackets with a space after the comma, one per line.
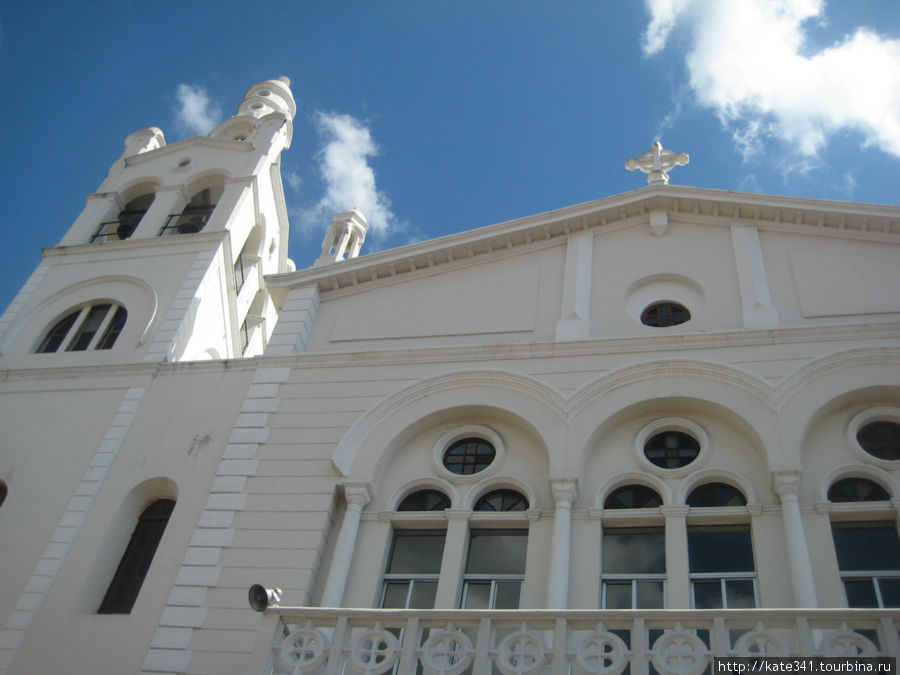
[655, 162]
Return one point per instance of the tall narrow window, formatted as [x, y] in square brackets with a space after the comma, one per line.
[411, 578]
[869, 559]
[723, 574]
[634, 568]
[495, 569]
[135, 562]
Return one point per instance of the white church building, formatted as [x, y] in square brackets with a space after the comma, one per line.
[627, 435]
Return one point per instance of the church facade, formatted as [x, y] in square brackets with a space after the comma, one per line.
[662, 426]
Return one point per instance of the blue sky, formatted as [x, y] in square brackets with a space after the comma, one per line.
[437, 117]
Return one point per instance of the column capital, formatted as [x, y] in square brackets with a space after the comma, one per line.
[357, 494]
[786, 483]
[674, 511]
[565, 491]
[457, 514]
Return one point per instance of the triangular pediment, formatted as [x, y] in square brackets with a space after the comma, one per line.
[668, 205]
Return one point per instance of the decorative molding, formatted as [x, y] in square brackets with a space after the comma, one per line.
[715, 207]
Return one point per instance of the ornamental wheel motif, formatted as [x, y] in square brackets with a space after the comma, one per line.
[520, 653]
[760, 642]
[845, 642]
[374, 652]
[602, 653]
[447, 652]
[304, 650]
[679, 652]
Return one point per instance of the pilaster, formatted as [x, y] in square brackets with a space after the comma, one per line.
[575, 319]
[752, 279]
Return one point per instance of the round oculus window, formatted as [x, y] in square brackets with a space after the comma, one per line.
[880, 439]
[664, 314]
[671, 449]
[469, 456]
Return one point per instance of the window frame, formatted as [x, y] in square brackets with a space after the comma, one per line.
[122, 592]
[872, 575]
[495, 578]
[723, 576]
[633, 577]
[410, 577]
[675, 313]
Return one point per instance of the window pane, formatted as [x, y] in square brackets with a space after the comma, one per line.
[423, 594]
[890, 592]
[478, 595]
[739, 593]
[650, 595]
[425, 500]
[507, 596]
[416, 553]
[88, 328]
[618, 595]
[860, 593]
[866, 547]
[720, 549]
[708, 594]
[395, 594]
[135, 563]
[634, 552]
[112, 332]
[58, 333]
[497, 552]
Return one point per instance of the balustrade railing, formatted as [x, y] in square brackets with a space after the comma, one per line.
[569, 642]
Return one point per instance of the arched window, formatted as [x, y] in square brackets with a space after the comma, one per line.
[857, 490]
[716, 494]
[502, 500]
[425, 500]
[196, 213]
[95, 326]
[126, 222]
[633, 497]
[135, 562]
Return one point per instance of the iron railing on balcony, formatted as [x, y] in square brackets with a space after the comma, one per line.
[191, 220]
[566, 642]
[119, 229]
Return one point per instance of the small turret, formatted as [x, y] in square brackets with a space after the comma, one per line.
[269, 97]
[345, 235]
[144, 140]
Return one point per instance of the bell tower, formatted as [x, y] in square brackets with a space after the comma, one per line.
[166, 261]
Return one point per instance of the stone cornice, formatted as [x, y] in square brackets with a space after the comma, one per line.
[181, 146]
[537, 350]
[188, 241]
[715, 207]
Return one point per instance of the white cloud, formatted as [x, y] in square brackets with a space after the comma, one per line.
[196, 114]
[749, 61]
[349, 180]
[294, 180]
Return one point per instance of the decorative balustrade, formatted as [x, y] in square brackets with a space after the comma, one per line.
[571, 642]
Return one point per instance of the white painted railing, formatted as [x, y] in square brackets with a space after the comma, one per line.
[570, 642]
